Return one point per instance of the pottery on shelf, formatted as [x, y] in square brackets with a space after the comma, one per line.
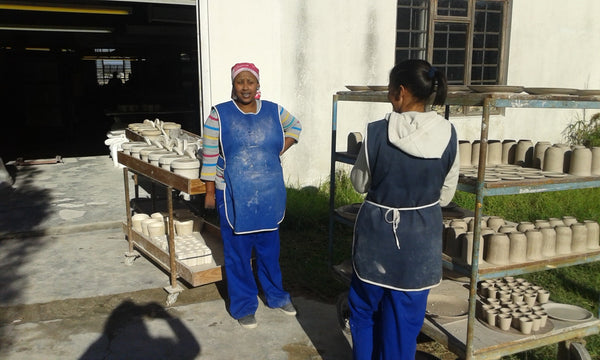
[508, 151]
[154, 156]
[136, 221]
[524, 153]
[538, 153]
[593, 234]
[534, 244]
[184, 228]
[525, 225]
[581, 162]
[518, 247]
[494, 152]
[497, 249]
[475, 147]
[186, 167]
[563, 239]
[578, 237]
[495, 222]
[548, 242]
[466, 242]
[542, 223]
[464, 151]
[553, 159]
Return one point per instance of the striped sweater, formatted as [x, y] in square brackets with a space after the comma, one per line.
[210, 142]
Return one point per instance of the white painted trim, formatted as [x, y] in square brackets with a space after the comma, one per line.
[203, 60]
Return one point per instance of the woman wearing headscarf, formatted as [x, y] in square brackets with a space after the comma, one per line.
[243, 140]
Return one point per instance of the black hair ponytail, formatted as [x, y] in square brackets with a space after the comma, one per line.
[421, 79]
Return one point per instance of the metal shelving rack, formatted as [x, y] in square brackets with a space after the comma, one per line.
[466, 336]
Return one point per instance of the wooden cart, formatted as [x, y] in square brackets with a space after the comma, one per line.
[139, 243]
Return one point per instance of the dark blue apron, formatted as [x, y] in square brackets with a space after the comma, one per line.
[255, 193]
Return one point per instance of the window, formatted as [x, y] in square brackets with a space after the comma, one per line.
[467, 39]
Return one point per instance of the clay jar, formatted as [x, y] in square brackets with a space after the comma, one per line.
[165, 161]
[508, 151]
[524, 226]
[581, 162]
[538, 153]
[128, 145]
[494, 152]
[578, 237]
[466, 241]
[548, 242]
[596, 161]
[154, 156]
[553, 159]
[518, 247]
[173, 129]
[184, 228]
[563, 239]
[464, 150]
[593, 234]
[497, 249]
[534, 244]
[569, 220]
[188, 168]
[495, 222]
[475, 148]
[539, 224]
[524, 153]
[144, 152]
[136, 221]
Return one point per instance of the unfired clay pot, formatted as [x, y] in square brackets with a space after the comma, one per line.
[475, 147]
[495, 222]
[581, 162]
[508, 151]
[524, 153]
[548, 242]
[538, 153]
[563, 239]
[593, 234]
[534, 244]
[497, 249]
[518, 247]
[494, 152]
[553, 159]
[464, 150]
[466, 240]
[596, 161]
[525, 225]
[578, 237]
[188, 168]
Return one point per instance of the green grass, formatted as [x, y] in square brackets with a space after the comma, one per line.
[305, 252]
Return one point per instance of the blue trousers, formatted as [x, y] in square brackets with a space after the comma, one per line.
[241, 286]
[385, 323]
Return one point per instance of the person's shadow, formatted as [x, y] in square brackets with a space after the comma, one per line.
[143, 332]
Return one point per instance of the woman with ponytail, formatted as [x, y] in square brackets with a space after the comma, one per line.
[408, 166]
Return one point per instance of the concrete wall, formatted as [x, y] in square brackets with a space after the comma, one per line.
[307, 50]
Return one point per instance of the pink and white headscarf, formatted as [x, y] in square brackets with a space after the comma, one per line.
[239, 67]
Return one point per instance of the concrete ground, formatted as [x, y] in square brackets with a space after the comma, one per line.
[66, 292]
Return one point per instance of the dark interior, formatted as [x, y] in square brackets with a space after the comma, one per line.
[53, 96]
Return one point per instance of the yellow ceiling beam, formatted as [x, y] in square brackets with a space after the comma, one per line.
[65, 9]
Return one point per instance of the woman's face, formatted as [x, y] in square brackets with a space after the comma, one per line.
[245, 86]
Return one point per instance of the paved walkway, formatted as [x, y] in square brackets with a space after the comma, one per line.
[66, 292]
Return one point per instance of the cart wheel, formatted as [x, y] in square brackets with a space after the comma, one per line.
[172, 298]
[577, 351]
[343, 312]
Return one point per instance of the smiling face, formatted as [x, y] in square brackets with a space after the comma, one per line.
[245, 86]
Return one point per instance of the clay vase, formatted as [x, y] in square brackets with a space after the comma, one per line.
[136, 221]
[495, 222]
[464, 151]
[494, 154]
[534, 244]
[184, 228]
[563, 239]
[553, 159]
[524, 153]
[506, 229]
[459, 223]
[556, 222]
[471, 224]
[548, 242]
[578, 237]
[509, 148]
[156, 229]
[518, 247]
[466, 241]
[475, 147]
[569, 220]
[497, 249]
[538, 153]
[595, 161]
[539, 224]
[581, 162]
[593, 234]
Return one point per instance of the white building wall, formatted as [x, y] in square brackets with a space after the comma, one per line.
[307, 50]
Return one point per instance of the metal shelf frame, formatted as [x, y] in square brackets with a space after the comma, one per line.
[466, 344]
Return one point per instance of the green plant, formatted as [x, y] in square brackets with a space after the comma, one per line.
[584, 132]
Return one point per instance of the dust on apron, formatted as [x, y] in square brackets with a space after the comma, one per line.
[255, 193]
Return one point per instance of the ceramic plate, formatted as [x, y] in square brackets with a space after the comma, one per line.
[588, 92]
[566, 312]
[496, 88]
[441, 305]
[512, 177]
[378, 87]
[357, 87]
[548, 91]
[554, 174]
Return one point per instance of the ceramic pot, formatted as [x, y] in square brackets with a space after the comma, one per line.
[144, 152]
[556, 222]
[548, 242]
[188, 168]
[471, 224]
[539, 224]
[543, 318]
[524, 153]
[518, 247]
[593, 234]
[494, 152]
[135, 150]
[453, 246]
[464, 151]
[165, 161]
[497, 249]
[156, 228]
[136, 221]
[569, 220]
[578, 237]
[553, 159]
[128, 145]
[581, 162]
[543, 296]
[145, 224]
[595, 161]
[504, 321]
[525, 225]
[534, 244]
[538, 153]
[508, 151]
[495, 222]
[466, 242]
[535, 320]
[506, 229]
[525, 325]
[563, 239]
[172, 129]
[154, 156]
[152, 134]
[475, 148]
[184, 228]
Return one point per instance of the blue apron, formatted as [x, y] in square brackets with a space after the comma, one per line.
[255, 193]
